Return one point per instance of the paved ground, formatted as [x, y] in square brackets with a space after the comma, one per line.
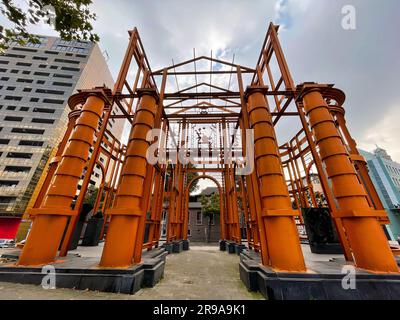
[201, 273]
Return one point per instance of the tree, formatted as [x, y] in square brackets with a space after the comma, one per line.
[71, 18]
[190, 177]
[210, 207]
[91, 196]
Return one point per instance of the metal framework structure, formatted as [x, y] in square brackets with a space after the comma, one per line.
[203, 118]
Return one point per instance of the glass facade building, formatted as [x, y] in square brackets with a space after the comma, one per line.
[385, 174]
[36, 81]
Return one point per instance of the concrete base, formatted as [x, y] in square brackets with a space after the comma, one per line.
[177, 246]
[186, 245]
[222, 245]
[231, 247]
[79, 273]
[322, 282]
[239, 249]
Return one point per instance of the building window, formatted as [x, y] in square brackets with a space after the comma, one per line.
[16, 169]
[199, 218]
[6, 183]
[27, 131]
[48, 91]
[16, 119]
[13, 98]
[45, 121]
[4, 141]
[52, 101]
[7, 200]
[24, 109]
[11, 108]
[31, 143]
[65, 76]
[19, 155]
[44, 110]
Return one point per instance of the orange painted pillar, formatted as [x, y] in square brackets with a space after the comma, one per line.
[366, 238]
[50, 220]
[125, 216]
[278, 217]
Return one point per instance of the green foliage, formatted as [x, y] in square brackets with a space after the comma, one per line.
[210, 204]
[71, 18]
[190, 177]
[91, 195]
[210, 207]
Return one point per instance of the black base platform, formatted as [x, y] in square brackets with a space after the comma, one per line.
[231, 247]
[322, 282]
[75, 272]
[176, 246]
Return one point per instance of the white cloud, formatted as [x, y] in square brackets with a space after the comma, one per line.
[385, 133]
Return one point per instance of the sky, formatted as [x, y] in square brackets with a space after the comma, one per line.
[364, 62]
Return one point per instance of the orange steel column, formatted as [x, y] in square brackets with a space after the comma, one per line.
[125, 216]
[366, 237]
[277, 215]
[51, 218]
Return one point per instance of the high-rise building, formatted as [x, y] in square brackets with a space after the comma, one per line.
[385, 174]
[36, 81]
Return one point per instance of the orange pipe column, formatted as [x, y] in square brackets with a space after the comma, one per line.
[366, 237]
[125, 216]
[50, 220]
[282, 237]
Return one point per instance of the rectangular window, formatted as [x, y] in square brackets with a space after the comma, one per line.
[17, 169]
[11, 108]
[12, 98]
[65, 76]
[51, 52]
[199, 218]
[44, 121]
[27, 90]
[11, 55]
[4, 78]
[42, 74]
[48, 91]
[24, 109]
[31, 143]
[24, 49]
[10, 118]
[7, 183]
[27, 131]
[70, 69]
[66, 61]
[25, 80]
[43, 110]
[62, 84]
[4, 62]
[19, 155]
[34, 100]
[11, 88]
[40, 58]
[7, 200]
[53, 101]
[24, 64]
[4, 141]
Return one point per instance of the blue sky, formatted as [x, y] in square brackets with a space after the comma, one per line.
[365, 62]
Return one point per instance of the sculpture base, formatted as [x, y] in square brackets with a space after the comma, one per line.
[324, 281]
[75, 272]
